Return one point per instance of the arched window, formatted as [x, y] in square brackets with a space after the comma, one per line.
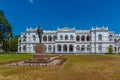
[34, 39]
[83, 48]
[61, 37]
[83, 38]
[44, 38]
[77, 38]
[118, 40]
[99, 37]
[78, 48]
[71, 48]
[54, 38]
[71, 37]
[115, 48]
[24, 38]
[100, 47]
[88, 38]
[110, 38]
[88, 47]
[59, 48]
[115, 40]
[49, 38]
[20, 41]
[119, 49]
[33, 47]
[49, 48]
[24, 48]
[65, 47]
[19, 48]
[45, 48]
[66, 37]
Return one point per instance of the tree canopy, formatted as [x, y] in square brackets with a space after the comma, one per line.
[5, 29]
[11, 45]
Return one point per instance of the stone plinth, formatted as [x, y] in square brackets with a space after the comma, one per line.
[39, 51]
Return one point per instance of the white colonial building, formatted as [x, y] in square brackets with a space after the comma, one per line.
[69, 40]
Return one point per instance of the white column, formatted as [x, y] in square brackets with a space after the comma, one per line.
[74, 48]
[55, 48]
[62, 48]
[67, 48]
[47, 38]
[117, 49]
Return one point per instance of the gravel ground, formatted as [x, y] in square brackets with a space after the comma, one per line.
[21, 63]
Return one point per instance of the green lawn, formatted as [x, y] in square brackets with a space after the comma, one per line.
[77, 67]
[13, 57]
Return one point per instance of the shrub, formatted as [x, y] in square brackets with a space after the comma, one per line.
[110, 50]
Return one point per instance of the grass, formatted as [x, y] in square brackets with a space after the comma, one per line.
[13, 57]
[77, 67]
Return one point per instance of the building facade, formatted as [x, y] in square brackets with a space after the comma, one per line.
[69, 40]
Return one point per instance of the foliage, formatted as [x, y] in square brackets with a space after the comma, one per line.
[5, 46]
[110, 50]
[5, 29]
[11, 45]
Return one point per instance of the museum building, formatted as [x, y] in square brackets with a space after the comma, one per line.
[70, 41]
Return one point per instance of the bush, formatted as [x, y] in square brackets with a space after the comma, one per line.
[110, 50]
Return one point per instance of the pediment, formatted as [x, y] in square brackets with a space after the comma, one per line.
[66, 29]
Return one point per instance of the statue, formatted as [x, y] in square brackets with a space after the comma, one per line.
[39, 48]
[40, 33]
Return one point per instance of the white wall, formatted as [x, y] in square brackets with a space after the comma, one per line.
[104, 42]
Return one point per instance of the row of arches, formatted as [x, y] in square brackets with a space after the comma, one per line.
[60, 48]
[65, 48]
[83, 38]
[82, 48]
[24, 38]
[78, 38]
[70, 48]
[117, 49]
[117, 40]
[49, 38]
[66, 37]
[71, 37]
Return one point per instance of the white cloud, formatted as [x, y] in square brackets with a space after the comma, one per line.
[31, 1]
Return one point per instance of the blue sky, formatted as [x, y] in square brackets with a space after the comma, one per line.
[51, 14]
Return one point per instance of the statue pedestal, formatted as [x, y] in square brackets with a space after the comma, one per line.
[39, 51]
[39, 56]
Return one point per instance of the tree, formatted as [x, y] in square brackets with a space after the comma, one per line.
[5, 26]
[5, 46]
[110, 50]
[5, 30]
[11, 45]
